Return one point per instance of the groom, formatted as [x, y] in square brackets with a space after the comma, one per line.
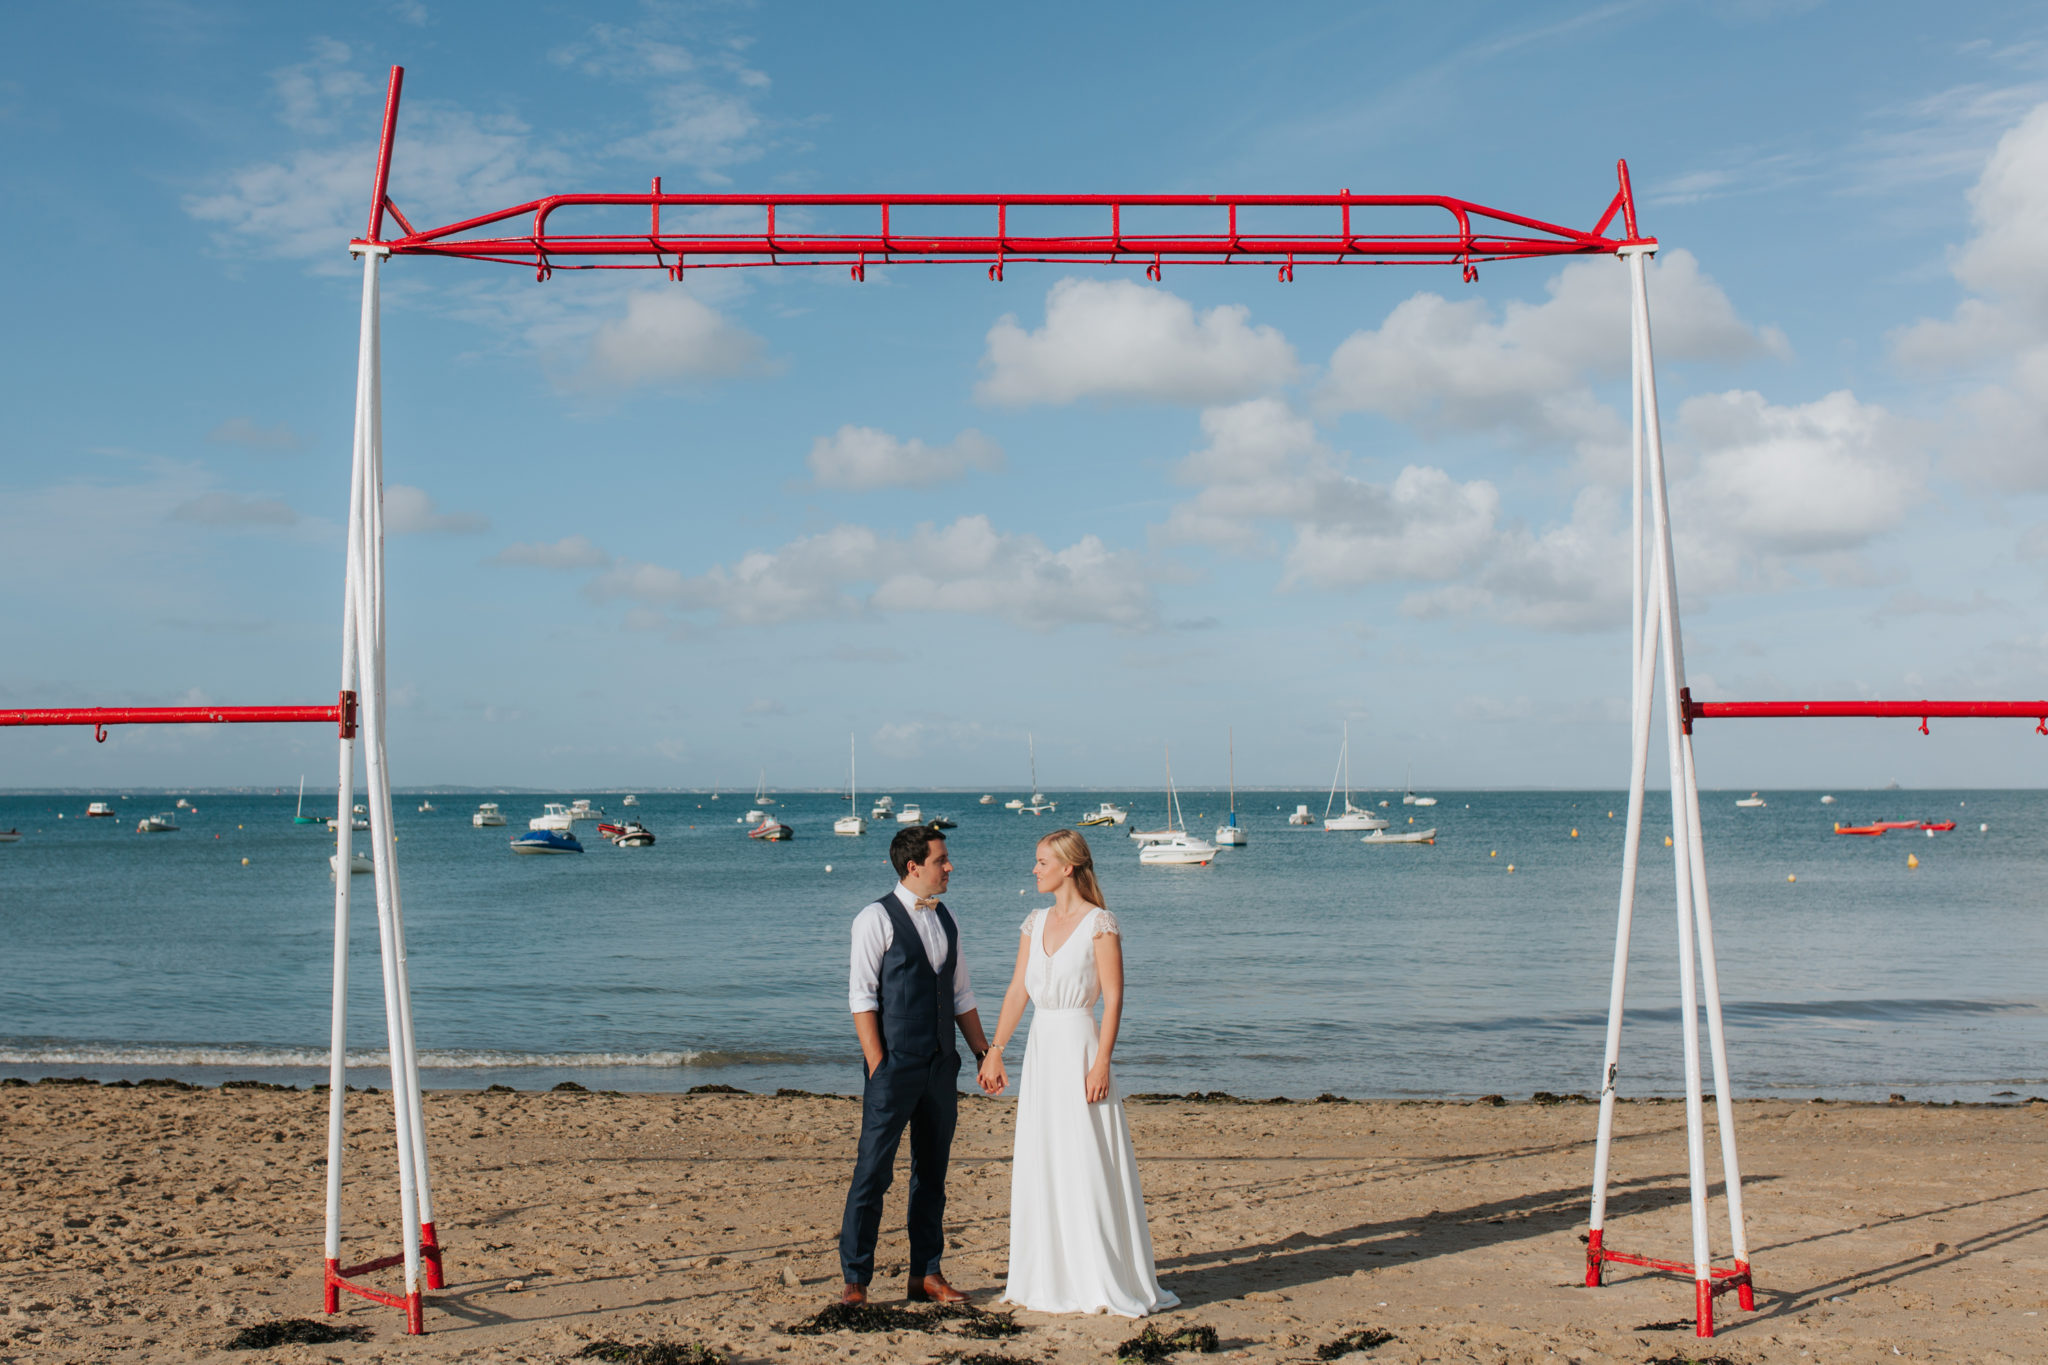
[908, 989]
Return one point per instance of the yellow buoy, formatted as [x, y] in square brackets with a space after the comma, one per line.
[1667, 841]
[1511, 867]
[1494, 854]
[1790, 878]
[1610, 815]
[245, 862]
[1912, 861]
[1575, 834]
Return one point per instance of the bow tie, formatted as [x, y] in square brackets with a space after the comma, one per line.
[926, 903]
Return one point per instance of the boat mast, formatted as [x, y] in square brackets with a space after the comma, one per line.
[302, 797]
[852, 779]
[1233, 773]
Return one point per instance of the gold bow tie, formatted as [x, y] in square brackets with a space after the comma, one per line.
[926, 903]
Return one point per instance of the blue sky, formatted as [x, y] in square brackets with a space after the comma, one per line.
[657, 535]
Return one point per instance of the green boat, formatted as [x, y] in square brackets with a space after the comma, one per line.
[300, 817]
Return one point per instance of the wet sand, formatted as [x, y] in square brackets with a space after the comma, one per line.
[150, 1224]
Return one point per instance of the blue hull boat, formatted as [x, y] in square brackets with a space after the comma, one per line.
[546, 841]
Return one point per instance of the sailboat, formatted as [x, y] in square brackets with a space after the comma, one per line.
[850, 823]
[1351, 817]
[1038, 805]
[1408, 796]
[299, 816]
[761, 797]
[1231, 834]
[1178, 848]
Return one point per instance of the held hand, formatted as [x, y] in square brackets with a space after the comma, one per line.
[1098, 1082]
[992, 1078]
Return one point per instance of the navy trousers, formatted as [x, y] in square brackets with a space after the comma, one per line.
[923, 1095]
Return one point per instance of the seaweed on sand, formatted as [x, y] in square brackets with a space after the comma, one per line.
[1689, 1360]
[650, 1353]
[979, 1358]
[1152, 1345]
[876, 1317]
[1359, 1339]
[293, 1332]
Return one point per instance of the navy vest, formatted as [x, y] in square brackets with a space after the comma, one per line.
[916, 997]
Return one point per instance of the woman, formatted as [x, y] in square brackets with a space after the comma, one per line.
[1078, 1239]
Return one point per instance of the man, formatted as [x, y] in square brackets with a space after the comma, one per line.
[908, 990]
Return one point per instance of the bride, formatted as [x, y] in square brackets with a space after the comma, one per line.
[1078, 1239]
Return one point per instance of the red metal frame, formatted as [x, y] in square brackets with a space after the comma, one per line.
[338, 1280]
[342, 715]
[1722, 1278]
[2036, 711]
[1474, 234]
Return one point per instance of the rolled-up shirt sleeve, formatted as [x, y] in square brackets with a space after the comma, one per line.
[963, 989]
[870, 941]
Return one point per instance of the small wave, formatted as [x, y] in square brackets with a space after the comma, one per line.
[62, 1053]
[1757, 1011]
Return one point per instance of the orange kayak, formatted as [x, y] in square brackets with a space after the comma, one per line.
[1862, 829]
[1942, 825]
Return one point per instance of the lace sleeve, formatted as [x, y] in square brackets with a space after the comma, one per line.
[1105, 923]
[1030, 923]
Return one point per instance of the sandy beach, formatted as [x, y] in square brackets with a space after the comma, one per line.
[149, 1224]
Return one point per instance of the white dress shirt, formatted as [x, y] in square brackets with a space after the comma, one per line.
[873, 935]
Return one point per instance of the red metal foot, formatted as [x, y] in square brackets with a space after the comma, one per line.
[330, 1300]
[1704, 1290]
[430, 1252]
[1594, 1261]
[1745, 1288]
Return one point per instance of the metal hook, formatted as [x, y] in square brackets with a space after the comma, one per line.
[1471, 273]
[2042, 728]
[676, 273]
[859, 269]
[1923, 725]
[995, 272]
[99, 733]
[1287, 271]
[1152, 271]
[542, 273]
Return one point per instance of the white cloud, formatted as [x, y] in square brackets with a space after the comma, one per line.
[410, 511]
[1457, 366]
[864, 457]
[1998, 431]
[1814, 478]
[668, 336]
[701, 95]
[571, 552]
[967, 567]
[244, 431]
[221, 508]
[1120, 340]
[1265, 465]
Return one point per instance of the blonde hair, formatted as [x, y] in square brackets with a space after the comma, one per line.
[1067, 846]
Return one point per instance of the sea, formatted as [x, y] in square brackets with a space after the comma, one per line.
[1305, 963]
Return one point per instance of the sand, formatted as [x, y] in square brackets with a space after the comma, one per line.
[149, 1224]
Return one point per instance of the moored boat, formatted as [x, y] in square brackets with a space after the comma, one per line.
[1750, 802]
[358, 862]
[487, 816]
[103, 810]
[1406, 836]
[1230, 834]
[10, 836]
[1841, 828]
[164, 822]
[634, 835]
[1351, 817]
[771, 831]
[911, 814]
[1108, 813]
[554, 815]
[1301, 816]
[546, 841]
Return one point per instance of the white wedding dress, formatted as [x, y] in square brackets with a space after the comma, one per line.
[1078, 1239]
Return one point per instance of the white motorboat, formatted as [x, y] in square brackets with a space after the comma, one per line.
[1301, 817]
[1176, 847]
[1108, 813]
[554, 815]
[426, 806]
[581, 809]
[1751, 801]
[1827, 800]
[988, 800]
[165, 822]
[1014, 803]
[1352, 818]
[1408, 796]
[1142, 837]
[487, 816]
[631, 800]
[753, 815]
[354, 822]
[851, 824]
[358, 862]
[911, 814]
[103, 810]
[183, 804]
[1230, 834]
[884, 808]
[1406, 836]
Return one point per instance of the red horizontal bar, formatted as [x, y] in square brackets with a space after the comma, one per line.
[342, 715]
[1921, 711]
[1729, 1277]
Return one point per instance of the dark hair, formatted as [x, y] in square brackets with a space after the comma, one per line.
[912, 844]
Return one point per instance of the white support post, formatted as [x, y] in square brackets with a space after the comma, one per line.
[1683, 841]
[363, 666]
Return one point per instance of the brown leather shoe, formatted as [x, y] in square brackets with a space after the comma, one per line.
[934, 1289]
[854, 1295]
